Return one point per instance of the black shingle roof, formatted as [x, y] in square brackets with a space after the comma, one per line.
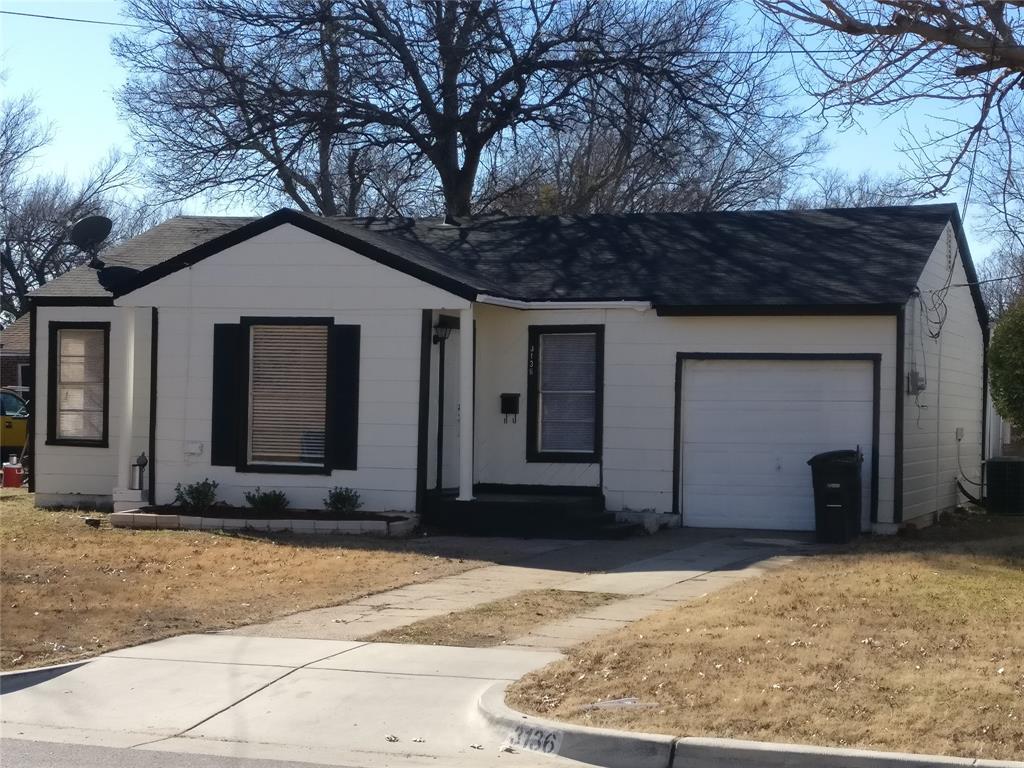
[152, 247]
[837, 257]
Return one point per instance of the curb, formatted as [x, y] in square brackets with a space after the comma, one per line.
[624, 749]
[598, 746]
[26, 678]
[693, 752]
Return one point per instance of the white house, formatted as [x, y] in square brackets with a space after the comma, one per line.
[683, 364]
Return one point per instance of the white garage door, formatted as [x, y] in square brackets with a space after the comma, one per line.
[748, 428]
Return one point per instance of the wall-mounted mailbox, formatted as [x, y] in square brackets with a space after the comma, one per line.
[510, 405]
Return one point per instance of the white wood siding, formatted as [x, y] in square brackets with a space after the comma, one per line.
[639, 392]
[953, 398]
[66, 475]
[289, 272]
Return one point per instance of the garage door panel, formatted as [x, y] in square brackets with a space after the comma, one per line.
[748, 428]
[773, 426]
[766, 466]
[713, 508]
[777, 386]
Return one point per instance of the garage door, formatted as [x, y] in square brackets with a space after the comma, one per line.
[747, 428]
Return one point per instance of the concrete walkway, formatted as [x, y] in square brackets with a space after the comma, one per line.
[655, 567]
[305, 688]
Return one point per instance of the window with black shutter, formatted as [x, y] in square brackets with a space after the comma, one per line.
[564, 398]
[285, 395]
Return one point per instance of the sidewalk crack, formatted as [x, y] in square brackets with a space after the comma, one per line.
[249, 695]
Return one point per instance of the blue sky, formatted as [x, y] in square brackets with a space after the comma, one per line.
[73, 75]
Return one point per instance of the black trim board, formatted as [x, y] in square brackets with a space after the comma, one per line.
[448, 321]
[984, 402]
[533, 453]
[900, 393]
[54, 327]
[969, 270]
[32, 353]
[527, 489]
[287, 216]
[778, 310]
[423, 419]
[874, 358]
[154, 331]
[72, 301]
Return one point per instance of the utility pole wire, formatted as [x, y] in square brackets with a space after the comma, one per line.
[69, 18]
[779, 52]
[980, 282]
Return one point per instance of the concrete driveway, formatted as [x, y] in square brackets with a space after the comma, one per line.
[306, 689]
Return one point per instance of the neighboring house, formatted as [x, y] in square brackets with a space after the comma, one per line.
[683, 364]
[15, 367]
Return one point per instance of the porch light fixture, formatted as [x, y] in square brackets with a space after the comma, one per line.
[137, 480]
[441, 333]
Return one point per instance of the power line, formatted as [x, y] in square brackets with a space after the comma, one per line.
[69, 18]
[776, 52]
[979, 282]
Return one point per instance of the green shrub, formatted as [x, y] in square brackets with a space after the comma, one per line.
[1006, 365]
[342, 501]
[267, 502]
[196, 498]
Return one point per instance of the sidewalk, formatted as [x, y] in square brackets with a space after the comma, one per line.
[329, 702]
[305, 687]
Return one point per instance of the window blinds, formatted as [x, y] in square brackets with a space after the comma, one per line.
[80, 371]
[288, 394]
[568, 391]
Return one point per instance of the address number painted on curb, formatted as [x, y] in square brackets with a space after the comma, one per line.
[535, 739]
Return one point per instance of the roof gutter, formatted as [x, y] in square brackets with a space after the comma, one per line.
[498, 301]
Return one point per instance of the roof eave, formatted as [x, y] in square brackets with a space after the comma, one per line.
[771, 310]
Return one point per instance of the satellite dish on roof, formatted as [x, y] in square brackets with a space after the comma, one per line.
[87, 233]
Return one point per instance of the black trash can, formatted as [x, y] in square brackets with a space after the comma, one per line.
[836, 477]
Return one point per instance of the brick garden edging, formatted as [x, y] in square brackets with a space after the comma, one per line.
[139, 518]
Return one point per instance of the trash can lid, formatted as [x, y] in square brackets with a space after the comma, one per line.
[836, 457]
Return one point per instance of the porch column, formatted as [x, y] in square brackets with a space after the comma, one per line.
[125, 498]
[124, 433]
[466, 404]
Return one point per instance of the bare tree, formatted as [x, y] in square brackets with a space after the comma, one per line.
[636, 151]
[36, 211]
[966, 57]
[263, 97]
[1001, 278]
[832, 188]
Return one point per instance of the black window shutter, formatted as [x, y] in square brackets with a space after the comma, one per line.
[343, 397]
[227, 395]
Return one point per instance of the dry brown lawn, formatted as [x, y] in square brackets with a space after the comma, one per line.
[496, 622]
[902, 644]
[68, 591]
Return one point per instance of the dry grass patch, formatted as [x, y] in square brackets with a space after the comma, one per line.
[496, 622]
[70, 591]
[912, 645]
